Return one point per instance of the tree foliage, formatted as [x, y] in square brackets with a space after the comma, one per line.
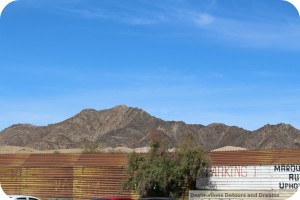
[164, 173]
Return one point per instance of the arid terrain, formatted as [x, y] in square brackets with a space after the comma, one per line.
[123, 127]
[25, 150]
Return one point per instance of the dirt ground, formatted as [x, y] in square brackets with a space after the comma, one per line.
[25, 150]
[16, 150]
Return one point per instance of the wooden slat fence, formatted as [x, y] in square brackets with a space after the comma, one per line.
[83, 176]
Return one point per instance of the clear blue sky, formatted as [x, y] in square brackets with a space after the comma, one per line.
[235, 62]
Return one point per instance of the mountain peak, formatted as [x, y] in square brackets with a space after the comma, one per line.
[133, 127]
[278, 127]
[121, 107]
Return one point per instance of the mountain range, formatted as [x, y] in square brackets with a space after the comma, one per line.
[123, 126]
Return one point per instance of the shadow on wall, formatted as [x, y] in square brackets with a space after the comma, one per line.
[204, 180]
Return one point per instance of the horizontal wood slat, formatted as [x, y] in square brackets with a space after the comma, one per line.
[83, 176]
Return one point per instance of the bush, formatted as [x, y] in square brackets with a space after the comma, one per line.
[165, 174]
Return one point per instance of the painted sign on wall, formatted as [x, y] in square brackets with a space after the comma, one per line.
[265, 177]
[240, 195]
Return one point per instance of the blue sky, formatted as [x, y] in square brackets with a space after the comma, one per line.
[199, 61]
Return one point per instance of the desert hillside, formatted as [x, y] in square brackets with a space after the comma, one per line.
[128, 127]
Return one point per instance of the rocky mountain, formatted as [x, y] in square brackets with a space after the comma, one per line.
[124, 126]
